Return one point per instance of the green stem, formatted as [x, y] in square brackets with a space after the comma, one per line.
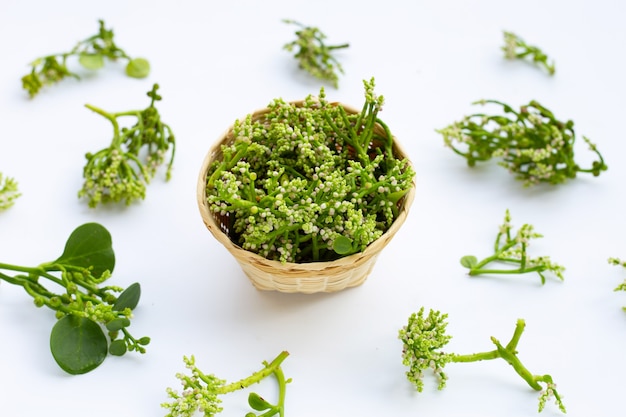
[509, 354]
[256, 377]
[111, 118]
[343, 45]
[17, 268]
[475, 357]
[282, 390]
[476, 271]
[511, 357]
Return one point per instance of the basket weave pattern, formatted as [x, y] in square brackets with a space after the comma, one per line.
[289, 277]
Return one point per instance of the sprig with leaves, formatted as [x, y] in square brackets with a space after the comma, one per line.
[83, 308]
[531, 143]
[312, 53]
[8, 192]
[91, 53]
[516, 48]
[622, 263]
[512, 248]
[425, 336]
[201, 392]
[123, 170]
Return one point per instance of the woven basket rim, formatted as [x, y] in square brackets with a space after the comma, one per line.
[293, 267]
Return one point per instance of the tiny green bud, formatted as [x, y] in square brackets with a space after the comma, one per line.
[144, 341]
[55, 302]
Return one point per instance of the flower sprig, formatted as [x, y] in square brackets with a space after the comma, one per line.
[516, 48]
[83, 307]
[424, 337]
[91, 53]
[309, 182]
[622, 263]
[201, 392]
[531, 143]
[512, 248]
[313, 55]
[9, 192]
[123, 170]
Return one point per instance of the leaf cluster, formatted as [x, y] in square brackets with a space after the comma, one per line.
[8, 192]
[312, 53]
[309, 182]
[530, 143]
[512, 249]
[516, 48]
[122, 170]
[91, 54]
[202, 392]
[424, 337]
[70, 285]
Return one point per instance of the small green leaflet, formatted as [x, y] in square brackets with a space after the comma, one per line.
[138, 68]
[91, 61]
[469, 261]
[342, 245]
[129, 298]
[257, 402]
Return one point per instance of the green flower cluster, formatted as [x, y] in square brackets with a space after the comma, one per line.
[122, 170]
[8, 192]
[622, 263]
[531, 143]
[516, 48]
[422, 339]
[313, 55]
[309, 182]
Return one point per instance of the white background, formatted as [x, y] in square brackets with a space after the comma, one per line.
[217, 61]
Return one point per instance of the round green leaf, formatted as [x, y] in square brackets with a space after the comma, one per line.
[469, 261]
[91, 61]
[78, 344]
[342, 245]
[89, 245]
[129, 298]
[117, 348]
[257, 402]
[138, 68]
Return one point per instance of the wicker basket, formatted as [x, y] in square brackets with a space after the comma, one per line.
[289, 277]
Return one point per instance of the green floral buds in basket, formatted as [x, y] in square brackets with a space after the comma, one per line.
[306, 194]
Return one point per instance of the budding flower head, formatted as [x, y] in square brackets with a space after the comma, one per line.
[422, 338]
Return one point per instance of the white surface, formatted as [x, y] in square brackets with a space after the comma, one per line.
[217, 61]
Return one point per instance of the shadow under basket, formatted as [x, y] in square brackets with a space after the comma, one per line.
[310, 277]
